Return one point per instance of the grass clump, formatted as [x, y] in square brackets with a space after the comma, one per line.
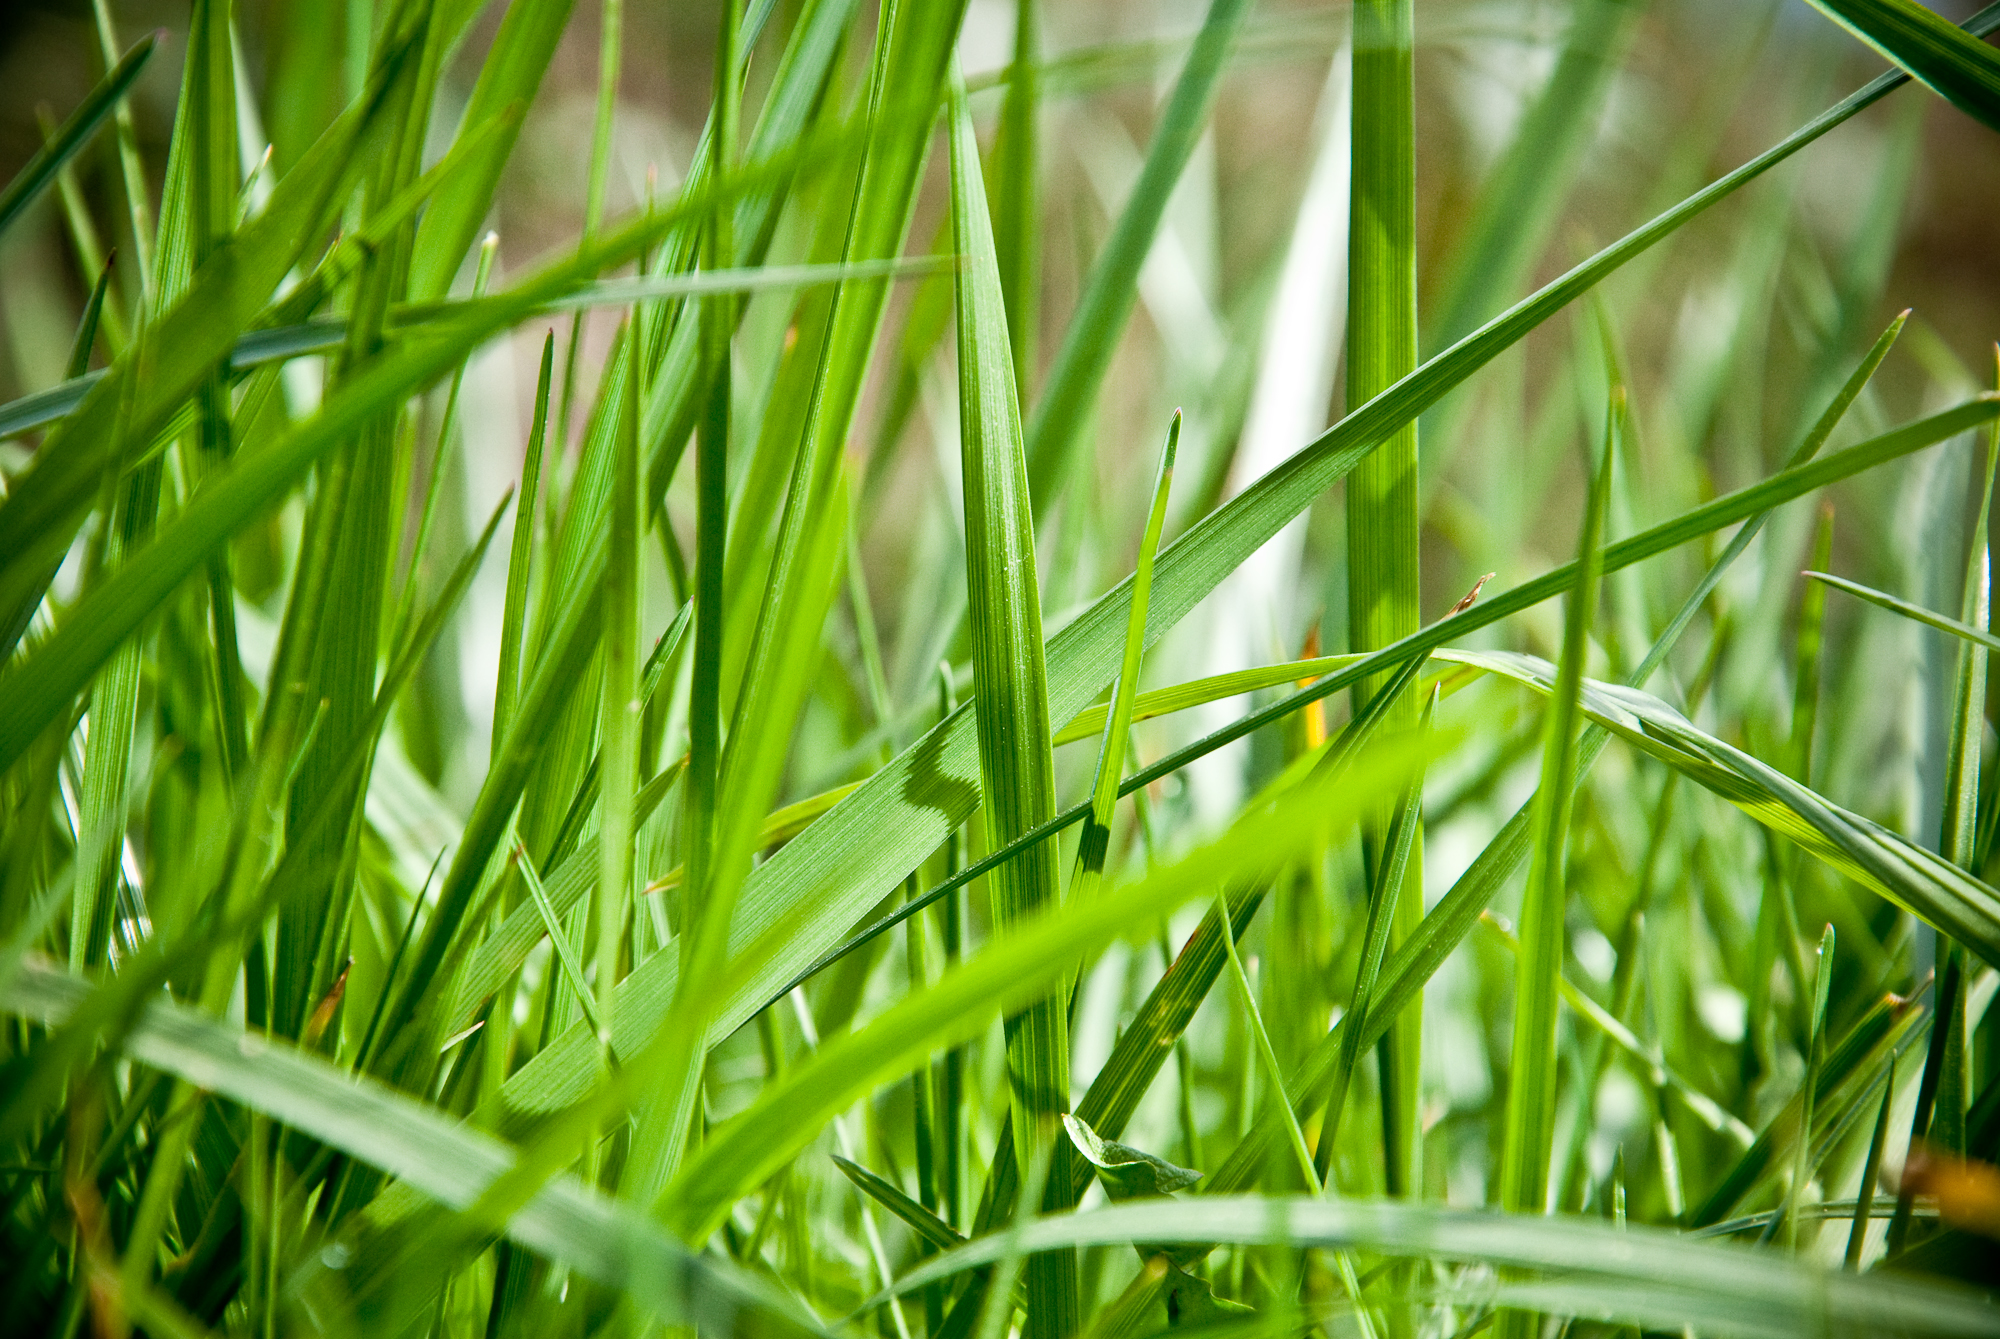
[540, 658]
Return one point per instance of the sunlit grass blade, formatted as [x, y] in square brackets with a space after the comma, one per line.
[1383, 900]
[520, 556]
[1096, 837]
[1017, 196]
[1083, 656]
[1529, 1133]
[1384, 585]
[1890, 865]
[1016, 764]
[1802, 1167]
[1954, 65]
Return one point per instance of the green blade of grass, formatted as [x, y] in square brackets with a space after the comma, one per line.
[1528, 1137]
[509, 76]
[1092, 337]
[75, 132]
[1646, 1276]
[1384, 588]
[1951, 63]
[1387, 888]
[1979, 637]
[1096, 838]
[1890, 865]
[927, 1225]
[1017, 195]
[1808, 1087]
[520, 557]
[1016, 764]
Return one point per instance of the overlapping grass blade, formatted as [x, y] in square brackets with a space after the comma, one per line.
[1016, 764]
[1917, 880]
[1645, 1276]
[1957, 67]
[1015, 968]
[424, 1149]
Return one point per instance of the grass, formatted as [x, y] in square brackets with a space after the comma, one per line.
[536, 777]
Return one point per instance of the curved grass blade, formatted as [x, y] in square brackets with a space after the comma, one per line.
[1921, 882]
[1977, 636]
[1684, 1279]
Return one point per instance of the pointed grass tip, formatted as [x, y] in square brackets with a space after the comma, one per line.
[1470, 595]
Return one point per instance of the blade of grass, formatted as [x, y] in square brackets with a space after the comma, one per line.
[1871, 1172]
[1058, 419]
[1529, 1133]
[1979, 637]
[1016, 764]
[1383, 568]
[1387, 888]
[75, 132]
[1096, 837]
[1016, 197]
[1808, 1088]
[520, 557]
